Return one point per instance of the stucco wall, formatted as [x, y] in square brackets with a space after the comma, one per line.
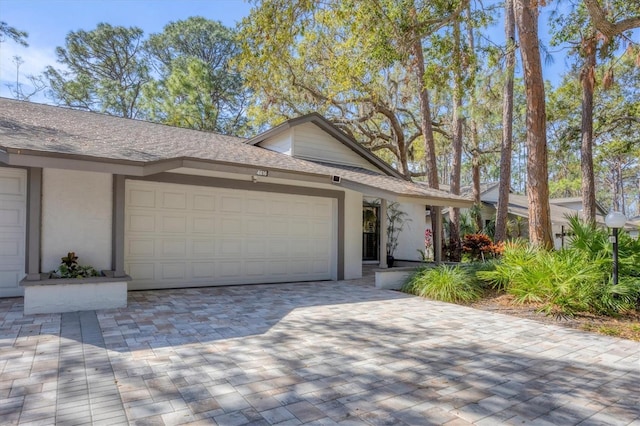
[76, 216]
[411, 238]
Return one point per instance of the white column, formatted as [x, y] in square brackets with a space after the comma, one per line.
[383, 234]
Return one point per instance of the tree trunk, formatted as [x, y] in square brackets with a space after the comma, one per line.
[427, 133]
[507, 125]
[587, 79]
[526, 13]
[456, 164]
[425, 117]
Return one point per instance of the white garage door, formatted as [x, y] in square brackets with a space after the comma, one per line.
[185, 236]
[13, 214]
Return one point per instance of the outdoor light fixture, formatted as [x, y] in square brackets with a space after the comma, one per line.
[615, 220]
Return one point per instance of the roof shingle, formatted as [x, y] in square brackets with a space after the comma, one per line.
[45, 129]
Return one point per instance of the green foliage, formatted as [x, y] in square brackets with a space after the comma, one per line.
[594, 242]
[396, 220]
[446, 283]
[106, 70]
[69, 268]
[18, 36]
[198, 85]
[563, 282]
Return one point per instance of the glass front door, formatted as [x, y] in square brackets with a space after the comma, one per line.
[370, 233]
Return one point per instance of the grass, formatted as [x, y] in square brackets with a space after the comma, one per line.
[445, 283]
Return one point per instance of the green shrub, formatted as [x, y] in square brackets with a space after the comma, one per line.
[564, 282]
[594, 241]
[446, 283]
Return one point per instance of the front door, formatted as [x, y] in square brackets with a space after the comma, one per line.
[370, 232]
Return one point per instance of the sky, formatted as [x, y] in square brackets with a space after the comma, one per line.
[49, 21]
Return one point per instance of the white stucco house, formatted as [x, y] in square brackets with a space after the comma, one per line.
[165, 207]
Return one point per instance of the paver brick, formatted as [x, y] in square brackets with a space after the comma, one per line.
[316, 353]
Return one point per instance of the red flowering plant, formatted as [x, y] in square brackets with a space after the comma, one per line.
[479, 246]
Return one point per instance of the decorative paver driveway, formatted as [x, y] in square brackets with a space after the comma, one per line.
[312, 353]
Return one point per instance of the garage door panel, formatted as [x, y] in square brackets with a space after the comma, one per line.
[255, 226]
[13, 219]
[255, 268]
[173, 224]
[231, 204]
[11, 216]
[203, 248]
[230, 225]
[230, 248]
[174, 249]
[204, 225]
[278, 249]
[174, 200]
[301, 209]
[320, 267]
[278, 208]
[256, 206]
[204, 202]
[229, 268]
[140, 248]
[180, 236]
[141, 271]
[278, 227]
[256, 248]
[300, 248]
[173, 271]
[141, 198]
[12, 185]
[141, 223]
[9, 278]
[203, 270]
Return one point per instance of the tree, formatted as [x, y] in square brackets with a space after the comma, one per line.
[593, 32]
[507, 124]
[199, 86]
[526, 14]
[18, 90]
[18, 36]
[106, 71]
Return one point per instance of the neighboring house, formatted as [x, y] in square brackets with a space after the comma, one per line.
[174, 207]
[518, 213]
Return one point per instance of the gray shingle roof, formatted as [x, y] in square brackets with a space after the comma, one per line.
[37, 129]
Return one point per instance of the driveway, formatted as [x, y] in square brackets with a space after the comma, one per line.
[307, 353]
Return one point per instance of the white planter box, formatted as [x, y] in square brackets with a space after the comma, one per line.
[51, 296]
[393, 278]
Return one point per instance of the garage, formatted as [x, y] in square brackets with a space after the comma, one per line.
[188, 236]
[13, 208]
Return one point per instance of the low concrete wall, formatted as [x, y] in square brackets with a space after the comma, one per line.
[52, 296]
[393, 278]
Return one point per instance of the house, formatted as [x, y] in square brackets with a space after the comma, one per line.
[518, 213]
[165, 207]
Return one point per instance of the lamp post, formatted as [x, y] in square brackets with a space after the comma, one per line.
[615, 220]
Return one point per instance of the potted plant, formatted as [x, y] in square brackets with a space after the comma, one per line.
[396, 219]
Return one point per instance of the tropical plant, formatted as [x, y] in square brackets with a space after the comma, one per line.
[69, 268]
[446, 283]
[594, 241]
[396, 220]
[563, 282]
[480, 246]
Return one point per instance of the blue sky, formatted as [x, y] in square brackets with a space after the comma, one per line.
[49, 21]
